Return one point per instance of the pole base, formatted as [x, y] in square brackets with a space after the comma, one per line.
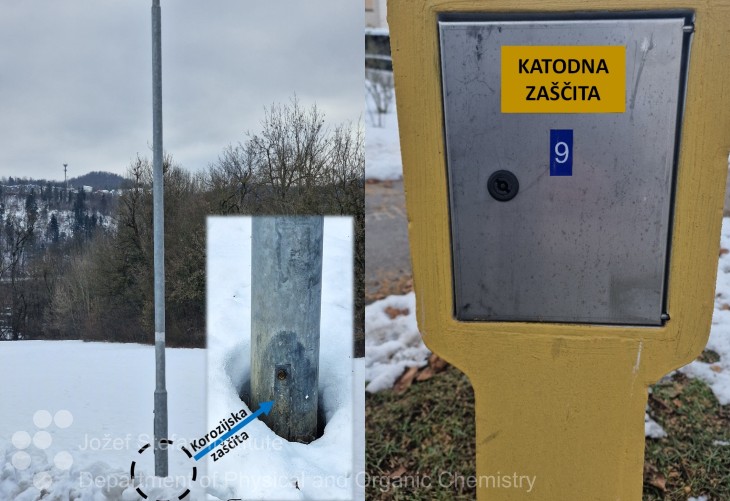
[160, 426]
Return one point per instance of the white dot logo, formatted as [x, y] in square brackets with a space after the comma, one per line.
[63, 419]
[41, 440]
[42, 480]
[21, 439]
[21, 460]
[42, 419]
[63, 460]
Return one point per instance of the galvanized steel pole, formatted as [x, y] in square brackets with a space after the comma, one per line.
[286, 290]
[160, 420]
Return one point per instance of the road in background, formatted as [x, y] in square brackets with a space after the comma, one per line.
[387, 257]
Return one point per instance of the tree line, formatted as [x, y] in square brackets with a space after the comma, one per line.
[98, 285]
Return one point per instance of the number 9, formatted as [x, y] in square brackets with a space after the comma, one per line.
[561, 152]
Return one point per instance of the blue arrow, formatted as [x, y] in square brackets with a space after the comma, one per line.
[264, 408]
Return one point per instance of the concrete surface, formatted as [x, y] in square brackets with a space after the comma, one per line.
[387, 256]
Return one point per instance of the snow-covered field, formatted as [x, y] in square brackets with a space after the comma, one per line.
[73, 416]
[265, 466]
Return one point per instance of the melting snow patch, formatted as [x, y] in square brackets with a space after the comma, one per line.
[652, 429]
[717, 374]
[392, 341]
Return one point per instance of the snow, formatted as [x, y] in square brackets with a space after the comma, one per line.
[652, 429]
[383, 32]
[717, 374]
[391, 344]
[382, 144]
[265, 466]
[13, 206]
[80, 411]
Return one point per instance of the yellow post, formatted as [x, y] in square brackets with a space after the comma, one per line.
[563, 403]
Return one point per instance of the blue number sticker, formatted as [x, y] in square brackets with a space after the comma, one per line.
[561, 152]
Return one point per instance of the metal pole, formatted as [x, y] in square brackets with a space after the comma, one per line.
[160, 424]
[286, 290]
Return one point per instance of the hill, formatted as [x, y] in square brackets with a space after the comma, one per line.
[98, 180]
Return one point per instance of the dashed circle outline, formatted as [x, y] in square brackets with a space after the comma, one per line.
[168, 442]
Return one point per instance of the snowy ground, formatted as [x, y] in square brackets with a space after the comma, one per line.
[382, 145]
[392, 341]
[74, 414]
[265, 466]
[717, 375]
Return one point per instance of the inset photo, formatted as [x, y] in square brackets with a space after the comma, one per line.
[285, 401]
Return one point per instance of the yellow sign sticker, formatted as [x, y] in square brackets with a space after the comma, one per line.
[563, 79]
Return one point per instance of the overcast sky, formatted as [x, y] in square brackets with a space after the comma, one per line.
[76, 85]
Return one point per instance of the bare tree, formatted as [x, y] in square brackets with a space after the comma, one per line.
[290, 151]
[345, 171]
[231, 178]
[380, 87]
[296, 164]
